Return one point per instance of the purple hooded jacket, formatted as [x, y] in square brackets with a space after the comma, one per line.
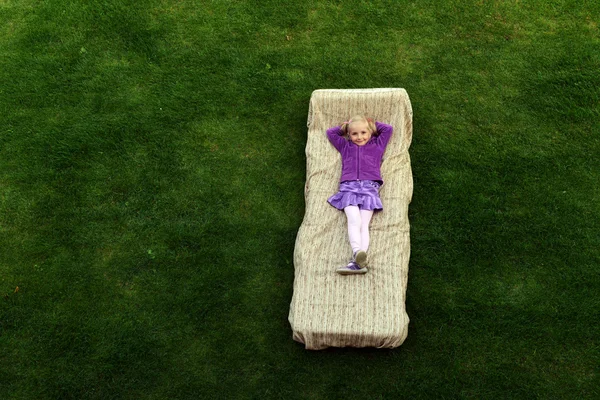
[361, 162]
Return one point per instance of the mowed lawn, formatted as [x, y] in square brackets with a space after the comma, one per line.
[152, 176]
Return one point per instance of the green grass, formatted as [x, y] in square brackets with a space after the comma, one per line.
[151, 187]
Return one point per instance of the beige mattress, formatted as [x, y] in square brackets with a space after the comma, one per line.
[368, 310]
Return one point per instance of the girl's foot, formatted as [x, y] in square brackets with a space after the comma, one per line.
[361, 258]
[351, 269]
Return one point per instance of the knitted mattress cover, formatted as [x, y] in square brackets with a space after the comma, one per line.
[328, 309]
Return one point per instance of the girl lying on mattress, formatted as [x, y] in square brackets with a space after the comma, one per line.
[361, 142]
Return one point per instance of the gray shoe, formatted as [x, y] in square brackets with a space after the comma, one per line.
[361, 258]
[351, 269]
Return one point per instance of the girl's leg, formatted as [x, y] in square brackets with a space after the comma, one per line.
[354, 227]
[365, 217]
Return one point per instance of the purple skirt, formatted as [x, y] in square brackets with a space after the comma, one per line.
[364, 194]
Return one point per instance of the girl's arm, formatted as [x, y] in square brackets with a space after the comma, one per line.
[335, 136]
[384, 132]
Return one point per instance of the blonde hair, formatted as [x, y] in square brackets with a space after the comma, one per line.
[359, 118]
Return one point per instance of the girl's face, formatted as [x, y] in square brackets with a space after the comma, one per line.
[359, 132]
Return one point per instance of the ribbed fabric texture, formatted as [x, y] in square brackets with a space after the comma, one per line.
[328, 309]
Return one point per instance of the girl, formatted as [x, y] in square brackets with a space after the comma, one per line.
[361, 142]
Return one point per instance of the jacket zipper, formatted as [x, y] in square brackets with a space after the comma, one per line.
[358, 162]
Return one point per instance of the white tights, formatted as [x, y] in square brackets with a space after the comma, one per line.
[358, 227]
